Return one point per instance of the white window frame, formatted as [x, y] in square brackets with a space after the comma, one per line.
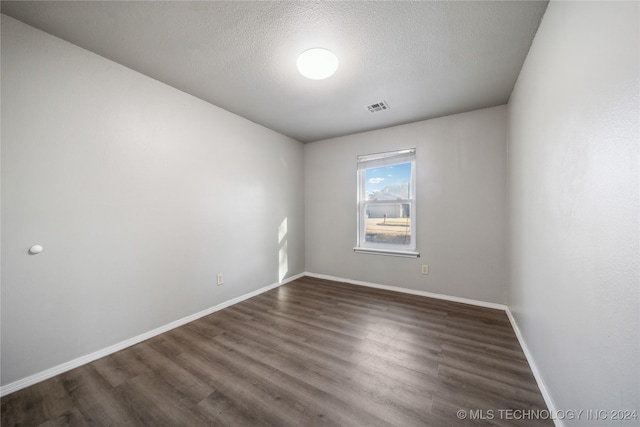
[371, 161]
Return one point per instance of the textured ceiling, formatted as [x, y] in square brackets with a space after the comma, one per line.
[426, 59]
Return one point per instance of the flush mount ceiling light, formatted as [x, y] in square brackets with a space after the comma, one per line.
[317, 63]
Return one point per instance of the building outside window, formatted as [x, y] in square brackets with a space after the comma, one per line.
[386, 203]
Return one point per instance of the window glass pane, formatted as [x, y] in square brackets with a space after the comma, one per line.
[388, 182]
[388, 223]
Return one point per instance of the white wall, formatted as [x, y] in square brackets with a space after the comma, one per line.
[461, 205]
[573, 282]
[139, 193]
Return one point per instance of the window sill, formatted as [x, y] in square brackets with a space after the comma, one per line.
[388, 252]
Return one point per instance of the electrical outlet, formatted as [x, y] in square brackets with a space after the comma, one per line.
[220, 279]
[425, 269]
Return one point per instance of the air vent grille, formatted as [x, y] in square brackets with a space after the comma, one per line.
[378, 106]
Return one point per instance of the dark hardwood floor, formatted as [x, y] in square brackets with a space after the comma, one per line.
[312, 352]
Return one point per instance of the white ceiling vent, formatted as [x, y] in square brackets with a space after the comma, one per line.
[378, 106]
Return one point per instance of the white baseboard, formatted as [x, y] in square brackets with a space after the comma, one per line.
[72, 364]
[411, 291]
[534, 368]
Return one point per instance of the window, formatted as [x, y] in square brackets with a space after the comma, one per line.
[386, 203]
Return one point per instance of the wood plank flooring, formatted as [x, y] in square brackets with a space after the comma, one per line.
[310, 353]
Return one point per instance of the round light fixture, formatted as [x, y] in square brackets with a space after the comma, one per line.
[317, 63]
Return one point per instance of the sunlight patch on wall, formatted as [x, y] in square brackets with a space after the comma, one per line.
[283, 256]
